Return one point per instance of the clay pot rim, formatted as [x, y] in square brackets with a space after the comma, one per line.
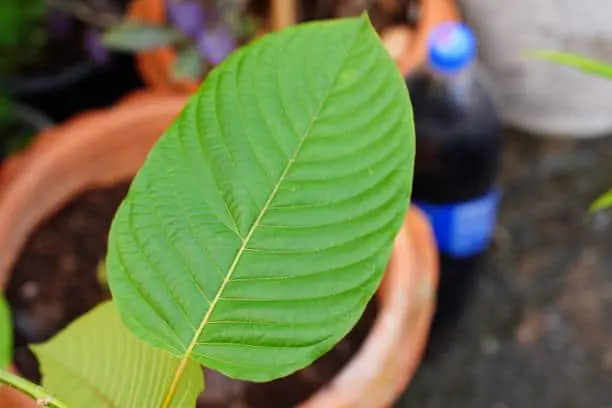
[407, 298]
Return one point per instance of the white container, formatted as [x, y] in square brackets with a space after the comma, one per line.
[539, 96]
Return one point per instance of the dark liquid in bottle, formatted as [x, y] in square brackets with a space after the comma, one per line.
[458, 148]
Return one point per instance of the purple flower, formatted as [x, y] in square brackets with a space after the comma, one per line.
[186, 15]
[94, 46]
[216, 43]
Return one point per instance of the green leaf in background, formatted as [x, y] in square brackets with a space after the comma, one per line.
[96, 362]
[262, 221]
[189, 64]
[137, 36]
[587, 65]
[6, 334]
[602, 202]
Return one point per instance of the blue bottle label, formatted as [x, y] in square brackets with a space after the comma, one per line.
[463, 229]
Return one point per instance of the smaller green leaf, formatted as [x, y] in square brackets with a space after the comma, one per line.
[96, 362]
[602, 202]
[587, 65]
[189, 64]
[6, 334]
[138, 36]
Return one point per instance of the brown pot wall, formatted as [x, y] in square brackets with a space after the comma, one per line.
[104, 147]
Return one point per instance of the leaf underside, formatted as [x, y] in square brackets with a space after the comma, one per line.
[96, 362]
[262, 221]
[6, 334]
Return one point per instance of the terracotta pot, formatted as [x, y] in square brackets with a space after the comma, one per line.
[101, 148]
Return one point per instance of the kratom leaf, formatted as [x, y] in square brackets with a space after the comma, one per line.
[262, 220]
[587, 65]
[138, 36]
[189, 64]
[6, 334]
[602, 202]
[96, 362]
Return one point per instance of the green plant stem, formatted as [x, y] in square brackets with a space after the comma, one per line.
[30, 389]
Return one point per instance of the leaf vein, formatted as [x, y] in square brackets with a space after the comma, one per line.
[190, 348]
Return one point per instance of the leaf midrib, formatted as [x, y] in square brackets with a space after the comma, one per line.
[194, 341]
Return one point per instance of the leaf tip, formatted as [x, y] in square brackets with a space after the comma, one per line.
[366, 21]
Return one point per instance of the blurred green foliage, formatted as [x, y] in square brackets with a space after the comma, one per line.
[590, 66]
[22, 32]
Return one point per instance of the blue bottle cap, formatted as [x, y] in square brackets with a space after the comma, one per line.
[452, 46]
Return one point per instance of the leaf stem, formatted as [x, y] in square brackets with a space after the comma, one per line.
[30, 389]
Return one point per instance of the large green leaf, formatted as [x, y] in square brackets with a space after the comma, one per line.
[262, 221]
[6, 334]
[587, 65]
[96, 362]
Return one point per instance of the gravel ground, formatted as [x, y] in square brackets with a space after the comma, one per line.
[537, 332]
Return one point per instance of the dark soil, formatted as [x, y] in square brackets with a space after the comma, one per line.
[55, 281]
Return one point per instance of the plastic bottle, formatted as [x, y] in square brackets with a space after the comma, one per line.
[458, 143]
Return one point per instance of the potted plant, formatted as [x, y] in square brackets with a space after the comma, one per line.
[337, 117]
[178, 41]
[38, 69]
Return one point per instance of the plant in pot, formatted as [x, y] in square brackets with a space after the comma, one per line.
[253, 236]
[404, 31]
[38, 68]
[192, 36]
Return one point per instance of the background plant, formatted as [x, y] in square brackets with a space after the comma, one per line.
[204, 32]
[590, 66]
[258, 228]
[22, 33]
